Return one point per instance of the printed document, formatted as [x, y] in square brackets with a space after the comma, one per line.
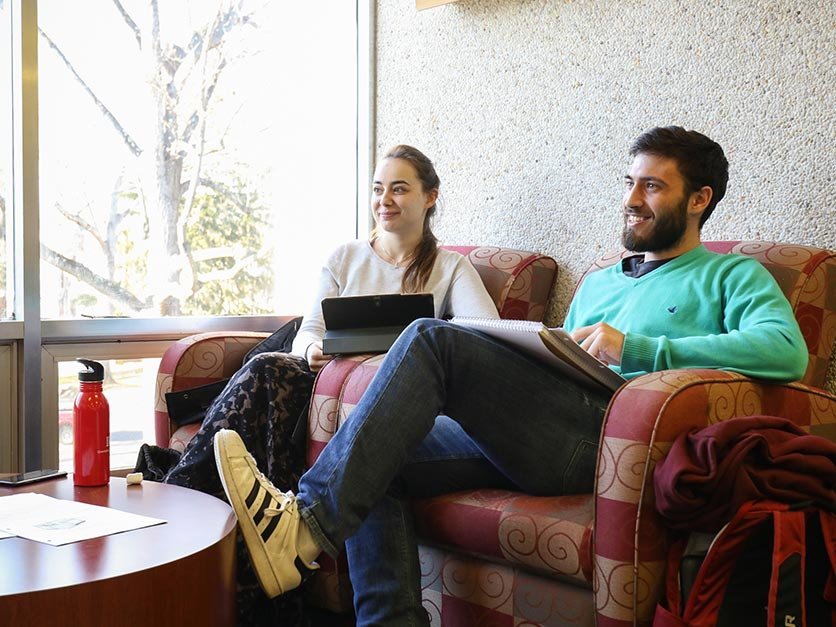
[56, 521]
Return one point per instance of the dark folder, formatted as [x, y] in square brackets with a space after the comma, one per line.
[370, 324]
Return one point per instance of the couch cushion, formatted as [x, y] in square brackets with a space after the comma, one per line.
[551, 535]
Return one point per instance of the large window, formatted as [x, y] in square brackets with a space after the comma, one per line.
[193, 161]
[183, 147]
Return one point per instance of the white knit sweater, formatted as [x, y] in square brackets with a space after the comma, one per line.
[354, 269]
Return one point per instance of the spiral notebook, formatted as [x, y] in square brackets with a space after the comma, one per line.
[370, 324]
[551, 345]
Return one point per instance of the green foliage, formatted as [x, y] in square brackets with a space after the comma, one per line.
[84, 301]
[235, 220]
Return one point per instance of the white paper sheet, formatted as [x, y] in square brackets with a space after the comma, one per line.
[10, 506]
[56, 521]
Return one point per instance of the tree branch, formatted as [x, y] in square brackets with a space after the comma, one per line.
[131, 144]
[131, 24]
[217, 252]
[229, 273]
[206, 96]
[84, 224]
[83, 273]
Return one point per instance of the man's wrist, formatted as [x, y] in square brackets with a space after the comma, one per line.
[639, 353]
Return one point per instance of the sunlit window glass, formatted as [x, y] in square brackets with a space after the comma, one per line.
[196, 158]
[129, 389]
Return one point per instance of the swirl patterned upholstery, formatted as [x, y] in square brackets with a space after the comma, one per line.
[193, 361]
[491, 557]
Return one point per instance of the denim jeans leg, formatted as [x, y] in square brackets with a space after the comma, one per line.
[383, 567]
[383, 553]
[537, 429]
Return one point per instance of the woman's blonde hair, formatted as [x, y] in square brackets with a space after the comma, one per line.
[418, 271]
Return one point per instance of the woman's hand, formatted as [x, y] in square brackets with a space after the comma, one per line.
[316, 360]
[601, 341]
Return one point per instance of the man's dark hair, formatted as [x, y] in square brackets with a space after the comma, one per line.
[701, 160]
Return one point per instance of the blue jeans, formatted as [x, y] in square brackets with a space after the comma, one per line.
[512, 423]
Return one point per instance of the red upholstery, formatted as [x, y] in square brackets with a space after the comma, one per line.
[497, 557]
[504, 558]
[520, 283]
[193, 361]
[642, 421]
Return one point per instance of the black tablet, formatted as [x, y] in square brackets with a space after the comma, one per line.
[370, 324]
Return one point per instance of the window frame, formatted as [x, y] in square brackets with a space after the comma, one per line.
[53, 354]
[30, 348]
[8, 405]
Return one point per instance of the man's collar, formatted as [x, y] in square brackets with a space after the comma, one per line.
[635, 266]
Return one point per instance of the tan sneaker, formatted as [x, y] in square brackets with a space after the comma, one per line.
[269, 519]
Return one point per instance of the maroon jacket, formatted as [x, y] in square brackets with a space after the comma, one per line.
[710, 472]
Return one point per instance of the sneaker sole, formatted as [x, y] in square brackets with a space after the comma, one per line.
[262, 565]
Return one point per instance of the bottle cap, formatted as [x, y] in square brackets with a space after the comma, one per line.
[94, 371]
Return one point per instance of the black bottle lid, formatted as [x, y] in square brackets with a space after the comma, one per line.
[93, 371]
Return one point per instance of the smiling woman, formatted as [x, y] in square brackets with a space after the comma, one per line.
[404, 201]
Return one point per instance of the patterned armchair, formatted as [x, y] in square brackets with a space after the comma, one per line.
[520, 283]
[493, 557]
[191, 362]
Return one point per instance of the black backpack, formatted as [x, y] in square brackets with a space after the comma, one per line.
[773, 564]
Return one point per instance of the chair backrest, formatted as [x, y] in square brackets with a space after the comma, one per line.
[519, 282]
[807, 276]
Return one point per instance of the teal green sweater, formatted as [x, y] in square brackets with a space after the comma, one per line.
[700, 310]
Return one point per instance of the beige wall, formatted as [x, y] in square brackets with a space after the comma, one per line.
[528, 107]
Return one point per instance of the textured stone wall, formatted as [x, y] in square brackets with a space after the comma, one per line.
[528, 107]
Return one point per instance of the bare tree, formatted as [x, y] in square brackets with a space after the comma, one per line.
[182, 80]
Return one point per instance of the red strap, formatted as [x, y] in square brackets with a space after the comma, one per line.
[828, 530]
[788, 542]
[708, 590]
[665, 618]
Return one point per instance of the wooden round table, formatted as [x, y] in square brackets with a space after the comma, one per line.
[179, 573]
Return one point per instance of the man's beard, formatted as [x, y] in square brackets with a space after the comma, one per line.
[666, 232]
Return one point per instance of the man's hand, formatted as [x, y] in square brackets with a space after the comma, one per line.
[601, 341]
[316, 360]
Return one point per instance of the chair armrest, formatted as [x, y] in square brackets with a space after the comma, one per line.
[643, 419]
[197, 360]
[337, 389]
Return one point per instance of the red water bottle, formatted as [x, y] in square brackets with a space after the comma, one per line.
[91, 415]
